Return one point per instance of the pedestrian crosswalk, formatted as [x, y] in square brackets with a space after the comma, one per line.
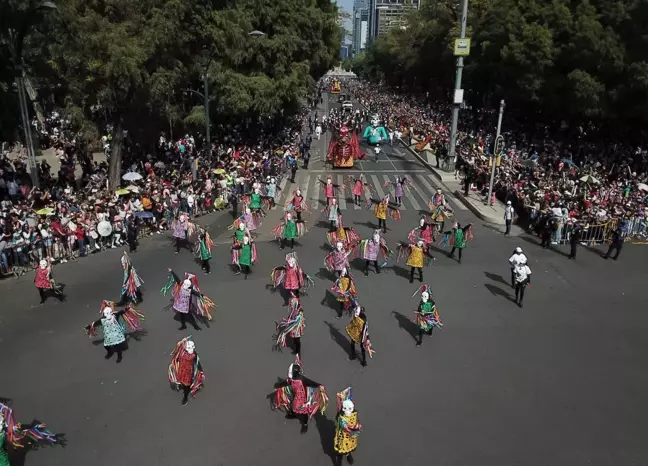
[421, 188]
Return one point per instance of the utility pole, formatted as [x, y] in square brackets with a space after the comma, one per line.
[457, 98]
[207, 124]
[498, 146]
[29, 143]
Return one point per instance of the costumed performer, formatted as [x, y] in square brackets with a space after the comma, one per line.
[381, 210]
[330, 189]
[288, 230]
[346, 235]
[45, 283]
[203, 250]
[244, 255]
[424, 231]
[358, 331]
[18, 436]
[417, 258]
[188, 300]
[375, 134]
[337, 259]
[457, 238]
[399, 188]
[131, 283]
[298, 204]
[291, 276]
[185, 370]
[181, 230]
[427, 314]
[240, 231]
[292, 327]
[114, 331]
[299, 396]
[345, 289]
[332, 212]
[271, 192]
[369, 249]
[359, 186]
[347, 427]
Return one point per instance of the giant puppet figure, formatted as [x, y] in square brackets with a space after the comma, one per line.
[344, 149]
[375, 134]
[335, 86]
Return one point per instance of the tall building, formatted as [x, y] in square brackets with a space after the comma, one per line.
[388, 14]
[360, 23]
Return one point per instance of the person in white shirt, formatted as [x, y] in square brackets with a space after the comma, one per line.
[318, 131]
[522, 279]
[509, 213]
[516, 259]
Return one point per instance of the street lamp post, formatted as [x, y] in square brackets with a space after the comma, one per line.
[456, 101]
[498, 146]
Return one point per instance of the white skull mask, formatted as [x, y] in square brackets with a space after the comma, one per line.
[298, 192]
[339, 246]
[288, 217]
[419, 243]
[357, 310]
[292, 262]
[347, 407]
[107, 313]
[256, 190]
[190, 346]
[422, 222]
[344, 272]
[247, 210]
[425, 296]
[186, 284]
[43, 264]
[376, 237]
[242, 226]
[329, 181]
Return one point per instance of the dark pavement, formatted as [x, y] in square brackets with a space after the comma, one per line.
[561, 381]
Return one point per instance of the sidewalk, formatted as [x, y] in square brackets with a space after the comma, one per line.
[492, 214]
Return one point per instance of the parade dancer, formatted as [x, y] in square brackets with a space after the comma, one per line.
[298, 204]
[185, 370]
[338, 259]
[256, 200]
[250, 219]
[114, 332]
[292, 327]
[330, 189]
[291, 276]
[416, 258]
[424, 232]
[399, 188]
[203, 250]
[131, 283]
[244, 255]
[427, 314]
[518, 258]
[369, 250]
[271, 192]
[344, 288]
[358, 331]
[347, 428]
[16, 435]
[45, 282]
[382, 209]
[332, 212]
[457, 238]
[359, 185]
[522, 279]
[288, 230]
[346, 235]
[188, 300]
[240, 232]
[300, 397]
[181, 228]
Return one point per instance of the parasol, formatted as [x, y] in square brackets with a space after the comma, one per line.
[45, 211]
[132, 188]
[31, 221]
[144, 214]
[220, 171]
[159, 165]
[642, 186]
[104, 228]
[121, 192]
[132, 176]
[589, 179]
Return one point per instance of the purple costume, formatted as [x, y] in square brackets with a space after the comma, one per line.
[371, 251]
[398, 191]
[180, 229]
[182, 301]
[340, 260]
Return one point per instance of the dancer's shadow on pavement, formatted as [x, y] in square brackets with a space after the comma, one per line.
[497, 291]
[406, 324]
[496, 278]
[324, 274]
[323, 224]
[368, 224]
[18, 455]
[326, 430]
[401, 271]
[337, 336]
[358, 264]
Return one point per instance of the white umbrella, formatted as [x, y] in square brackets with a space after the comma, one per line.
[159, 164]
[589, 179]
[556, 211]
[132, 176]
[104, 228]
[642, 186]
[132, 188]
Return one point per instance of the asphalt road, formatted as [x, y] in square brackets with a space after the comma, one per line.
[560, 382]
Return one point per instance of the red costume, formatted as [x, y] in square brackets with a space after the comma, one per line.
[344, 149]
[42, 279]
[186, 368]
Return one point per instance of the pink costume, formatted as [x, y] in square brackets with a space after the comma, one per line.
[358, 188]
[294, 279]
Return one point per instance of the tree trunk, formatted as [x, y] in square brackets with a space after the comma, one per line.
[114, 169]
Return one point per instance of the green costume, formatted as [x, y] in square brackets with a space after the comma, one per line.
[290, 230]
[239, 235]
[4, 457]
[246, 255]
[204, 252]
[459, 239]
[255, 202]
[425, 320]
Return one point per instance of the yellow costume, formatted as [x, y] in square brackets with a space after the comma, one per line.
[415, 258]
[346, 285]
[341, 234]
[345, 442]
[354, 329]
[381, 211]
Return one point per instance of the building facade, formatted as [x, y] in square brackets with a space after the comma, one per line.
[388, 14]
[360, 24]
